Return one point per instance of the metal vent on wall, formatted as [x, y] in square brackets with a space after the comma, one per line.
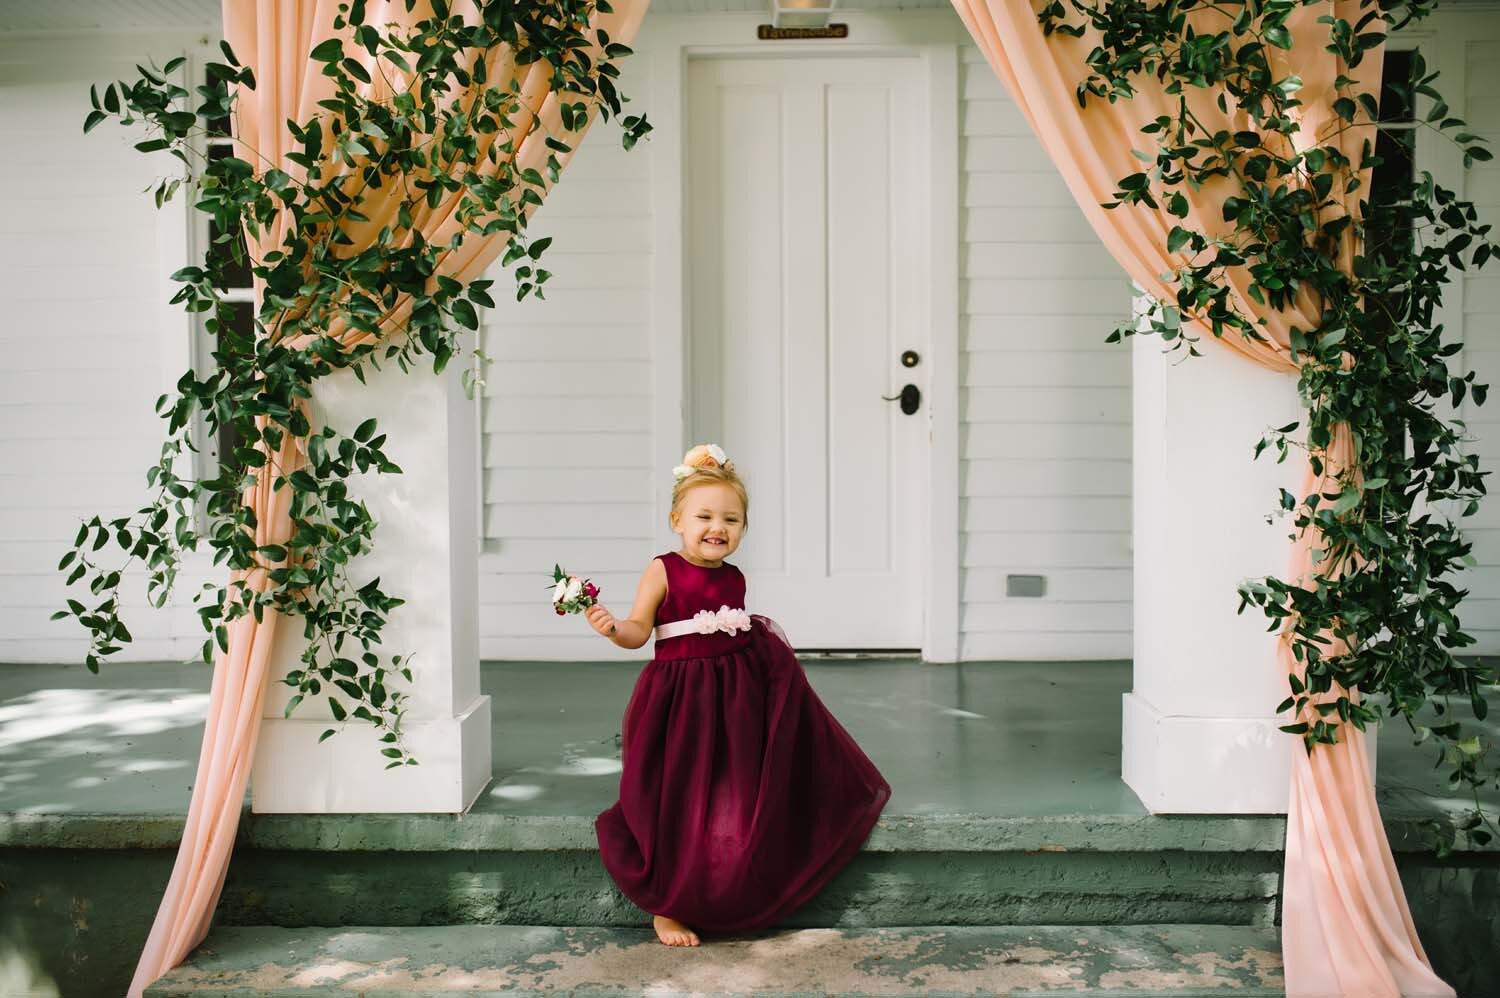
[1026, 586]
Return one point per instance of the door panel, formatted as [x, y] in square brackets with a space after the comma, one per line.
[805, 287]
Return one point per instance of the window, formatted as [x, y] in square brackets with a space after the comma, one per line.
[1389, 232]
[1389, 236]
[206, 238]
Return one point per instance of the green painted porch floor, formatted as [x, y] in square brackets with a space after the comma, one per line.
[1136, 960]
[1008, 820]
[110, 759]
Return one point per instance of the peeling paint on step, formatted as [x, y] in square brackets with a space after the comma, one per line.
[1162, 959]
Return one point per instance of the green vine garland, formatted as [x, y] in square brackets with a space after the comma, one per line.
[424, 138]
[1390, 527]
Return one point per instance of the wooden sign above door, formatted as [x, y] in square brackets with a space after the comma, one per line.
[769, 32]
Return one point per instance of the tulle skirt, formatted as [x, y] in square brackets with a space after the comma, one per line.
[741, 795]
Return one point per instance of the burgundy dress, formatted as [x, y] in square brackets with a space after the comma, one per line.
[741, 795]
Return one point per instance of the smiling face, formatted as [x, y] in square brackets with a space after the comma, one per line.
[710, 518]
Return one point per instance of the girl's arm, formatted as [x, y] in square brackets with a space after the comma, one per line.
[635, 630]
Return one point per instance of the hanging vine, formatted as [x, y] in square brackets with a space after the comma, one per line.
[1378, 628]
[438, 129]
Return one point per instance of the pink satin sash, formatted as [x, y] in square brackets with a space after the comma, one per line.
[726, 619]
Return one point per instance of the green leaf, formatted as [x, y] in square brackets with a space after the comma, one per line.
[365, 430]
[1347, 500]
[331, 50]
[465, 314]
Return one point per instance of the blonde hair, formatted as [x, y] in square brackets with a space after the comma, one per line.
[710, 475]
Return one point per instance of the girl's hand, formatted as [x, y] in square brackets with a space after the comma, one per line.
[601, 620]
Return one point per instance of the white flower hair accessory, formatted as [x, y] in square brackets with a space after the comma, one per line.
[702, 456]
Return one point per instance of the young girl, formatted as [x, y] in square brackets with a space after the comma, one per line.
[741, 795]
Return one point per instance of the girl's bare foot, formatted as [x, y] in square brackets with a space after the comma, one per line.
[673, 932]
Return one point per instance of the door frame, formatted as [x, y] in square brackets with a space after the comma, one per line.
[665, 45]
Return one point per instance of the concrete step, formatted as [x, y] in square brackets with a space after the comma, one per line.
[1137, 960]
[339, 870]
[407, 870]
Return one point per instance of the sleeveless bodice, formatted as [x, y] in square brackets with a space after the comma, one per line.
[691, 588]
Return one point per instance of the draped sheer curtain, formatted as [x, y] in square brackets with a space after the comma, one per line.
[1346, 927]
[274, 38]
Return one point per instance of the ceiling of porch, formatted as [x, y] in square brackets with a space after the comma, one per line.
[66, 16]
[71, 16]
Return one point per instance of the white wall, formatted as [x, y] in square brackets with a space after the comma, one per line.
[566, 414]
[87, 341]
[1045, 448]
[1044, 403]
[567, 418]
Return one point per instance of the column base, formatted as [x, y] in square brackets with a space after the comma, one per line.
[1209, 765]
[453, 756]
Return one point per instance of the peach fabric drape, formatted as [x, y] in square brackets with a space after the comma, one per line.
[1347, 929]
[274, 38]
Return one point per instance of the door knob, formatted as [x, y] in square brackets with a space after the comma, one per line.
[910, 398]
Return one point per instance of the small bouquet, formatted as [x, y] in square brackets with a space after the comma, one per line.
[570, 594]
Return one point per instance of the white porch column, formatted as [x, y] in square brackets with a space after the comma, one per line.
[1200, 735]
[426, 552]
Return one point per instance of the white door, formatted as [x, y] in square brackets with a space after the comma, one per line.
[807, 282]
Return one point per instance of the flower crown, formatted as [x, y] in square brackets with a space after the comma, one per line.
[702, 456]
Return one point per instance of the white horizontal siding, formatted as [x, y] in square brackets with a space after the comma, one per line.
[1045, 409]
[566, 447]
[88, 344]
[566, 442]
[1043, 405]
[1480, 612]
